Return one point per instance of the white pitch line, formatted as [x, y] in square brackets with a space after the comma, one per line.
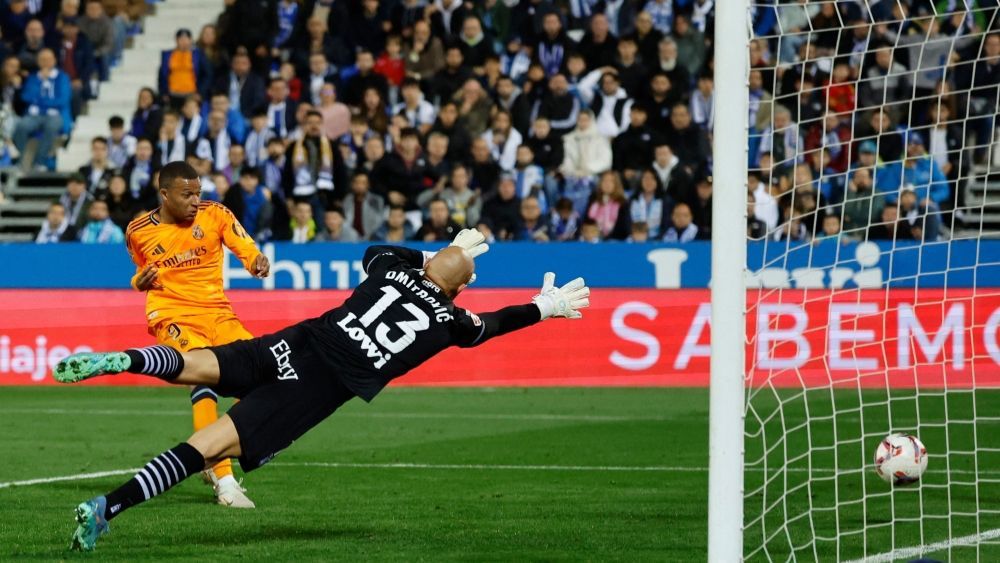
[407, 415]
[401, 465]
[77, 477]
[908, 552]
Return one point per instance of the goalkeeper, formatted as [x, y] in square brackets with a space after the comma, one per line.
[289, 381]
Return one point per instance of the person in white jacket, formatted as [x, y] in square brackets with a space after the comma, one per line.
[602, 92]
[586, 153]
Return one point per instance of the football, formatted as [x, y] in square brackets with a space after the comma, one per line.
[900, 459]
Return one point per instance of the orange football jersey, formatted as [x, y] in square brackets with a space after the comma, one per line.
[188, 260]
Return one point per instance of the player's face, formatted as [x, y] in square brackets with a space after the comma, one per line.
[181, 200]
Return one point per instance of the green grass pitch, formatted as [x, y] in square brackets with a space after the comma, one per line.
[508, 474]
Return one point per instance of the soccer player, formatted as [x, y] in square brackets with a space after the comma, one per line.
[178, 252]
[290, 381]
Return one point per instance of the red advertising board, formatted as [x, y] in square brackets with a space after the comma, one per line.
[628, 337]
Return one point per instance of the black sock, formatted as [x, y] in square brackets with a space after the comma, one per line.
[200, 393]
[159, 361]
[161, 473]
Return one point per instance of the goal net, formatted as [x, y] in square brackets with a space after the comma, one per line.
[872, 286]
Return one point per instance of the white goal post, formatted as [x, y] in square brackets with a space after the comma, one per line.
[855, 287]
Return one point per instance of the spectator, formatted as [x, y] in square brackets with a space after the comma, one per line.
[502, 211]
[919, 172]
[682, 227]
[558, 106]
[703, 103]
[184, 71]
[363, 210]
[473, 106]
[192, 125]
[662, 97]
[860, 202]
[424, 56]
[515, 59]
[633, 148]
[35, 41]
[147, 117]
[587, 154]
[376, 165]
[47, 95]
[390, 64]
[98, 171]
[609, 207]
[336, 115]
[246, 90]
[373, 109]
[319, 40]
[396, 228]
[688, 142]
[533, 226]
[503, 141]
[690, 44]
[170, 144]
[418, 111]
[648, 206]
[459, 139]
[122, 207]
[76, 201]
[510, 99]
[302, 226]
[701, 207]
[121, 145]
[830, 229]
[256, 216]
[983, 98]
[56, 226]
[368, 27]
[138, 172]
[599, 46]
[365, 78]
[273, 166]
[313, 170]
[236, 164]
[547, 148]
[236, 124]
[610, 103]
[485, 170]
[76, 59]
[449, 79]
[589, 231]
[563, 221]
[667, 61]
[437, 167]
[640, 233]
[208, 44]
[530, 178]
[439, 226]
[464, 203]
[446, 17]
[924, 217]
[946, 141]
[335, 229]
[890, 226]
[258, 140]
[289, 25]
[100, 229]
[886, 82]
[553, 45]
[405, 168]
[99, 29]
[280, 109]
[474, 44]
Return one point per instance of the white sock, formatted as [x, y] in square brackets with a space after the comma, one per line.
[227, 480]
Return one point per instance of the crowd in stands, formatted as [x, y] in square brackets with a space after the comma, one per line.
[397, 120]
[54, 57]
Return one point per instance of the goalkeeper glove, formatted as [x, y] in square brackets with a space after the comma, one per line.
[472, 241]
[565, 301]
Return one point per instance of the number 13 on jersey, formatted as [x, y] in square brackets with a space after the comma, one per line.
[409, 328]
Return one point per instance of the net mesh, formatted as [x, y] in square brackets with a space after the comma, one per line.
[872, 290]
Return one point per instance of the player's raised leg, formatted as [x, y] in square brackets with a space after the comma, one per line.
[198, 367]
[205, 448]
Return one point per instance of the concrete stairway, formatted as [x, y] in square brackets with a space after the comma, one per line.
[139, 67]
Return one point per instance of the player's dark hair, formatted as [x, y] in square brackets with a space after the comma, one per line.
[177, 170]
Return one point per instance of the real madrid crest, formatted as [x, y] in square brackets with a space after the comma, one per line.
[197, 233]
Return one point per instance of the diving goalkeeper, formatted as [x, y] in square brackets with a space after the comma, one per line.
[288, 382]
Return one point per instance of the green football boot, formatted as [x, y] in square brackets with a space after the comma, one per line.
[90, 364]
[91, 524]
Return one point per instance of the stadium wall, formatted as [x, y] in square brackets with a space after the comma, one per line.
[628, 337]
